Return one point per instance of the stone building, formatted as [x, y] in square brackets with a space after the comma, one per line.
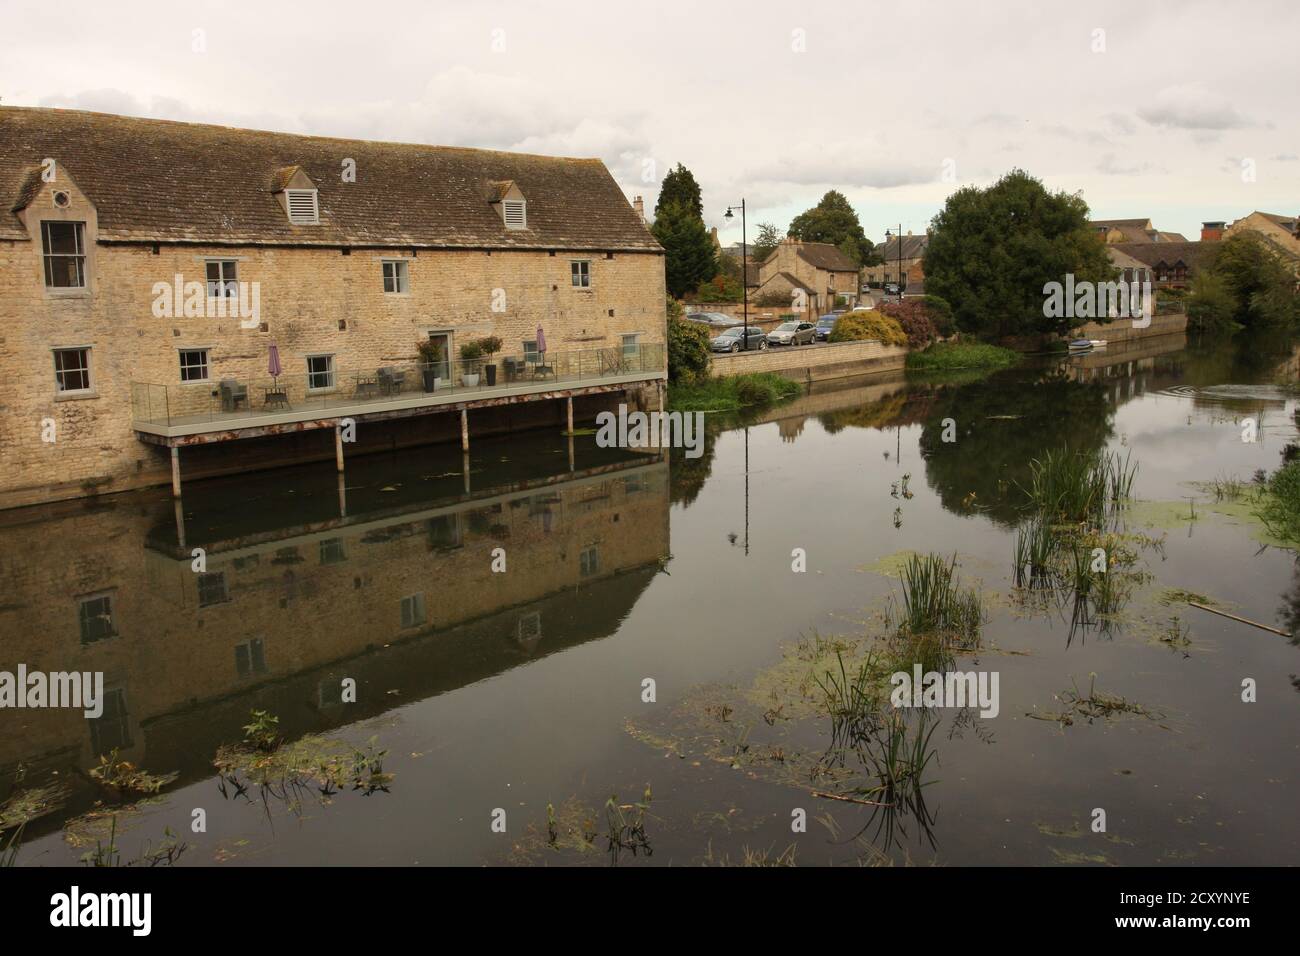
[1280, 233]
[253, 298]
[823, 274]
[902, 261]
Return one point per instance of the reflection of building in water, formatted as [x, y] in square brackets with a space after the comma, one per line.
[791, 428]
[406, 605]
[1128, 369]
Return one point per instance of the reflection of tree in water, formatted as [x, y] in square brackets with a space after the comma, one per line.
[1289, 612]
[688, 475]
[1258, 357]
[906, 407]
[1002, 423]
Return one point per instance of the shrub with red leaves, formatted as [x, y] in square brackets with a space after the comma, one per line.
[911, 315]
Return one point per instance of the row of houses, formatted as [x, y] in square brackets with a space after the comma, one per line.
[1139, 250]
[252, 298]
[1170, 260]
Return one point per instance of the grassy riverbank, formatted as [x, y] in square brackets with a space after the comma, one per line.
[945, 356]
[731, 392]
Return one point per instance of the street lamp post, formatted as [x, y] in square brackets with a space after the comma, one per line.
[899, 241]
[744, 268]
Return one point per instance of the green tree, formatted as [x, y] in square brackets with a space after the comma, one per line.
[688, 347]
[992, 251]
[833, 220]
[769, 237]
[1211, 305]
[689, 254]
[680, 188]
[1261, 286]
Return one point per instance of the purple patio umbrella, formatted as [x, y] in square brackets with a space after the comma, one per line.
[541, 340]
[273, 364]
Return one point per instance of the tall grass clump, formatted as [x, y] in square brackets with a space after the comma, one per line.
[1279, 503]
[1071, 486]
[936, 615]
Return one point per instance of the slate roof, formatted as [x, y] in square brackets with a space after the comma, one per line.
[913, 247]
[822, 255]
[163, 181]
[1193, 254]
[792, 280]
[1289, 223]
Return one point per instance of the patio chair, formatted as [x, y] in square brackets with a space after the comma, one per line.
[232, 393]
[391, 380]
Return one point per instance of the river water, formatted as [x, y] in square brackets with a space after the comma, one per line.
[649, 630]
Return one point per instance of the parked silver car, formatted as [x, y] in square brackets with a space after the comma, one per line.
[791, 333]
[734, 339]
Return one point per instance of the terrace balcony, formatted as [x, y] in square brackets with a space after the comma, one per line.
[180, 414]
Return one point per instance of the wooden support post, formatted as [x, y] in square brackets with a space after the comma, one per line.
[180, 522]
[569, 403]
[343, 496]
[571, 452]
[464, 464]
[338, 445]
[464, 429]
[659, 387]
[176, 471]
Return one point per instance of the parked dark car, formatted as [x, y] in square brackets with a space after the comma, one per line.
[825, 325]
[791, 333]
[734, 339]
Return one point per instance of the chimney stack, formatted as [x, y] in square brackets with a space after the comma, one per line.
[639, 206]
[1211, 231]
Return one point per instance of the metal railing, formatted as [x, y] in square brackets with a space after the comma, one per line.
[404, 384]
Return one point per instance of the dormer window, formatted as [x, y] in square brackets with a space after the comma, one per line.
[515, 213]
[303, 207]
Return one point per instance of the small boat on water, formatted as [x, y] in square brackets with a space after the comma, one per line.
[1086, 345]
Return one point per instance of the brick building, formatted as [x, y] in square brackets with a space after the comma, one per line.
[147, 268]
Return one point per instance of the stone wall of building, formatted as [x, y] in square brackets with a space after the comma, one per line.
[311, 301]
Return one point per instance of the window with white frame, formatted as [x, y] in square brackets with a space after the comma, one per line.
[303, 207]
[72, 370]
[64, 248]
[396, 276]
[515, 213]
[222, 276]
[413, 610]
[631, 342]
[194, 365]
[580, 273]
[320, 371]
[589, 561]
[95, 615]
[250, 657]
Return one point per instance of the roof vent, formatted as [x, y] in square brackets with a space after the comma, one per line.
[303, 207]
[515, 213]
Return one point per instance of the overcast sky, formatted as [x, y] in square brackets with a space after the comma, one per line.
[774, 102]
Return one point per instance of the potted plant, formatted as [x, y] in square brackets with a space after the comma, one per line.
[471, 354]
[490, 345]
[431, 357]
